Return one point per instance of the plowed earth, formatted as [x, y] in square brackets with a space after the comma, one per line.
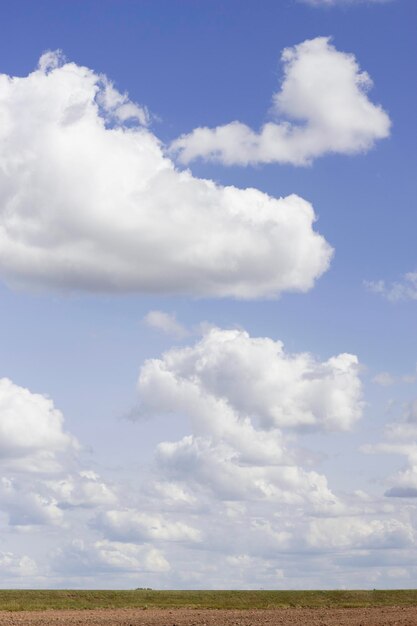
[375, 616]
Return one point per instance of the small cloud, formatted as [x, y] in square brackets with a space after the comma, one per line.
[405, 289]
[384, 379]
[167, 323]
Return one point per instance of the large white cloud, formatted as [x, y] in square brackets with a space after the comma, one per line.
[89, 201]
[216, 468]
[229, 377]
[322, 108]
[239, 393]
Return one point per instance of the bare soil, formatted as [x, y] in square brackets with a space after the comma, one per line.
[374, 616]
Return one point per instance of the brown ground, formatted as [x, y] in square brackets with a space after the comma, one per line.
[375, 616]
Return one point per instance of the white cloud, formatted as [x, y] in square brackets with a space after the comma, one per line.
[406, 289]
[89, 203]
[351, 532]
[82, 489]
[243, 485]
[42, 474]
[31, 430]
[323, 93]
[26, 505]
[45, 492]
[14, 565]
[80, 557]
[216, 468]
[385, 379]
[228, 378]
[237, 499]
[239, 393]
[131, 525]
[173, 493]
[165, 322]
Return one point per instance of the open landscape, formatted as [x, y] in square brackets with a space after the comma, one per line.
[208, 292]
[210, 608]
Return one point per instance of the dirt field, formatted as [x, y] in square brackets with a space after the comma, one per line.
[375, 616]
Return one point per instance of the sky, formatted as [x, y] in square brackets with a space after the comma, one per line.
[208, 291]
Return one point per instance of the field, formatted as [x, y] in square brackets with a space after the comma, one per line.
[208, 608]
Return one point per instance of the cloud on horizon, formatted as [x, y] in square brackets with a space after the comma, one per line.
[236, 498]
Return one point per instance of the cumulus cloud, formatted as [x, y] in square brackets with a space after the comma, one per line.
[216, 468]
[322, 107]
[405, 289]
[46, 491]
[81, 489]
[240, 393]
[15, 565]
[28, 505]
[89, 201]
[131, 525]
[42, 474]
[351, 532]
[238, 485]
[165, 322]
[31, 430]
[236, 499]
[229, 377]
[79, 557]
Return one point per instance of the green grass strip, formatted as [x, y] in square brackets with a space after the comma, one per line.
[32, 600]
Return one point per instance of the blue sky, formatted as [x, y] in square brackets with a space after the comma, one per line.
[142, 305]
